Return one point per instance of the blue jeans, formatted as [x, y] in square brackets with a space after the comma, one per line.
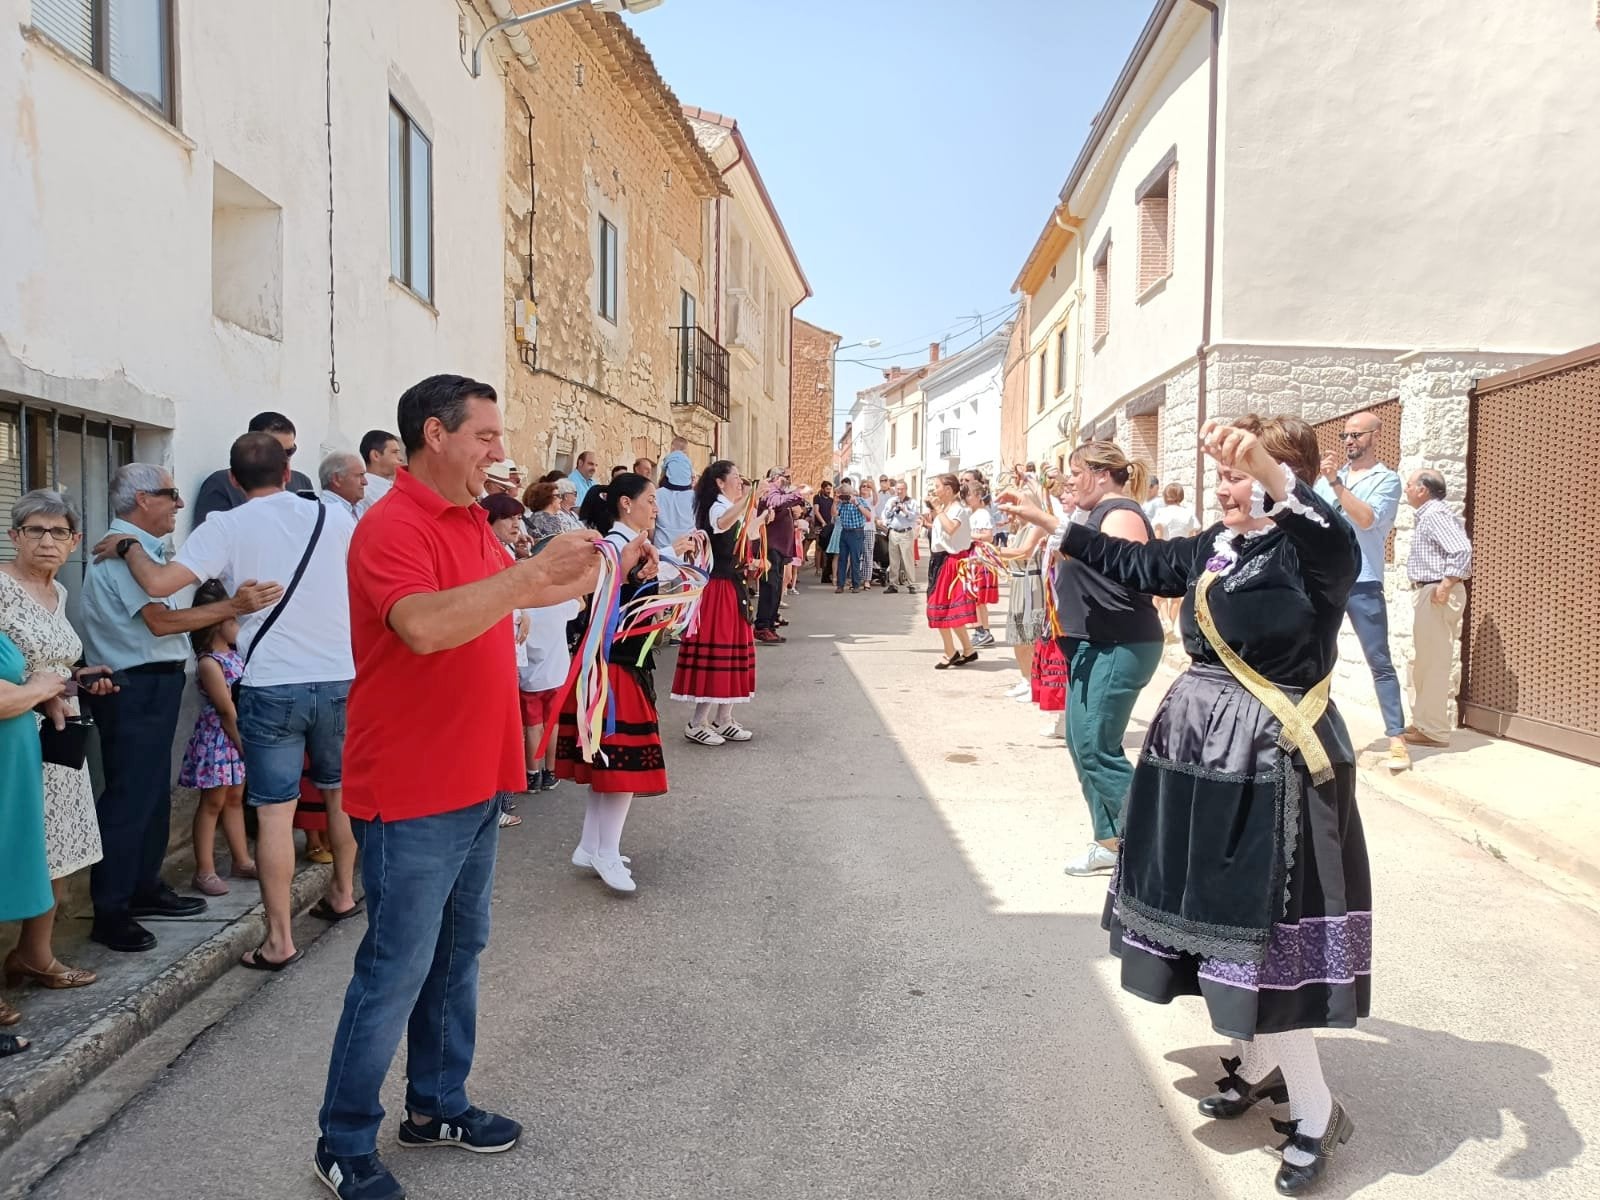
[851, 550]
[284, 724]
[1369, 616]
[428, 883]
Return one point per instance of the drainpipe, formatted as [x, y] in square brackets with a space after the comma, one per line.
[1077, 362]
[1211, 250]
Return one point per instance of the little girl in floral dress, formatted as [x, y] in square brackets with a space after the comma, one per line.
[212, 761]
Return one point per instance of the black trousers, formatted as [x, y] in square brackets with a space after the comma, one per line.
[137, 727]
[771, 591]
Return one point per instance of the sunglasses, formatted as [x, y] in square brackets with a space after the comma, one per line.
[170, 493]
[1356, 437]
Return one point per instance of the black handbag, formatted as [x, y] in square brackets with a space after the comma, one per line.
[283, 602]
[68, 746]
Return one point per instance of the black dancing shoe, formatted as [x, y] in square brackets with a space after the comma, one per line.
[1295, 1179]
[1246, 1095]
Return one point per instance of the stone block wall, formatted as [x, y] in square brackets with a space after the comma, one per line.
[811, 400]
[592, 384]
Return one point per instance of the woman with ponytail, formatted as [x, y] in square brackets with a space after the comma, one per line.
[950, 605]
[717, 662]
[1111, 639]
[629, 762]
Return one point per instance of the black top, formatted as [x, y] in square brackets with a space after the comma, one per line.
[824, 507]
[217, 493]
[725, 552]
[624, 652]
[1279, 607]
[1097, 609]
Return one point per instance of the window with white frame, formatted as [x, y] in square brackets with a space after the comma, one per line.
[1102, 290]
[1061, 362]
[894, 438]
[916, 428]
[1155, 199]
[410, 203]
[950, 443]
[127, 41]
[609, 272]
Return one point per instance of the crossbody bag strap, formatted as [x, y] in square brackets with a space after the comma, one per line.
[294, 582]
[1298, 720]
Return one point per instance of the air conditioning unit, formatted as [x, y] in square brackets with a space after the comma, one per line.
[950, 443]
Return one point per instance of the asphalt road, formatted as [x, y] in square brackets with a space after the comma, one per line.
[854, 969]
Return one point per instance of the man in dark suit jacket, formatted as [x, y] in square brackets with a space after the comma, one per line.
[217, 493]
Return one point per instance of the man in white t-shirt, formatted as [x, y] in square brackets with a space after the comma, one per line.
[381, 458]
[292, 697]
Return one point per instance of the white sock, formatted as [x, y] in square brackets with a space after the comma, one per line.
[1310, 1102]
[701, 712]
[724, 714]
[1255, 1063]
[590, 842]
[612, 813]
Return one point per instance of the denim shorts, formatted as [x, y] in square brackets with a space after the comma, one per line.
[285, 725]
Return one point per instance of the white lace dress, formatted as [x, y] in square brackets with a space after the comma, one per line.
[48, 642]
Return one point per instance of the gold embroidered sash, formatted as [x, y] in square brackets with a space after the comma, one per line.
[1298, 720]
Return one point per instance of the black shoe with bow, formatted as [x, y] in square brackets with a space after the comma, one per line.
[1295, 1179]
[1245, 1095]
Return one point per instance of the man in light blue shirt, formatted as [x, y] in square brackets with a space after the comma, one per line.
[583, 474]
[142, 640]
[1367, 494]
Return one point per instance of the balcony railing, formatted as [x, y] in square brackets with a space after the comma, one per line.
[745, 330]
[702, 371]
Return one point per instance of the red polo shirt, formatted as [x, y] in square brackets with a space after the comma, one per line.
[426, 733]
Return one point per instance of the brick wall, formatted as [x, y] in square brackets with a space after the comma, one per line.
[811, 400]
[594, 385]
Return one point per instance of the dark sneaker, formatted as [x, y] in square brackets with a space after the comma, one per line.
[475, 1130]
[358, 1177]
[547, 780]
[165, 902]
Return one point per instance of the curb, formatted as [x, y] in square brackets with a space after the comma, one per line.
[63, 1074]
[1524, 836]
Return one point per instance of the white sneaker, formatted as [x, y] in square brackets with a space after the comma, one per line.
[734, 732]
[582, 858]
[1022, 689]
[613, 872]
[1057, 730]
[1097, 861]
[703, 736]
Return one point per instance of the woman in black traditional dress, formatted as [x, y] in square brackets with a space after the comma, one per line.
[1243, 873]
[630, 762]
[717, 662]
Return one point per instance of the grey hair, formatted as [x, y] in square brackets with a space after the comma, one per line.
[336, 464]
[129, 481]
[1433, 482]
[42, 502]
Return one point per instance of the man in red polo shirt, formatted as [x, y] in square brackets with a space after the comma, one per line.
[434, 736]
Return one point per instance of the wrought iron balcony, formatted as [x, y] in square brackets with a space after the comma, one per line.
[702, 371]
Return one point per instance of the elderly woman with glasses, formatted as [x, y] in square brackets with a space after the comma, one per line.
[33, 614]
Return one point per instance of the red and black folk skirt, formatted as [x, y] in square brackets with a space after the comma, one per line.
[985, 584]
[1049, 678]
[630, 758]
[950, 604]
[717, 664]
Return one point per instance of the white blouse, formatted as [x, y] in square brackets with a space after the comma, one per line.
[961, 539]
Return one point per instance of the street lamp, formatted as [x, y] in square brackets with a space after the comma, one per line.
[608, 6]
[833, 372]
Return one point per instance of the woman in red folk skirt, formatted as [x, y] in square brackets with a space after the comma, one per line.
[951, 607]
[629, 762]
[717, 662]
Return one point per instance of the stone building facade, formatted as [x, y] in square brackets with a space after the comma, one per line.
[605, 235]
[811, 398]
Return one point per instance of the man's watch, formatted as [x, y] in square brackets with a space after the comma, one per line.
[126, 544]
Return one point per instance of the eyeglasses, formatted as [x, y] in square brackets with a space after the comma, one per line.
[170, 493]
[1356, 437]
[37, 533]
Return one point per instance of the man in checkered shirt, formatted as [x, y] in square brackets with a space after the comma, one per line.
[1439, 564]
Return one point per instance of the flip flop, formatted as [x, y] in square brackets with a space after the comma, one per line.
[255, 962]
[323, 911]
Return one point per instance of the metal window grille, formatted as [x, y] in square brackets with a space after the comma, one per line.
[950, 443]
[702, 371]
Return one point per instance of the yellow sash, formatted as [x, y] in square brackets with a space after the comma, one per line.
[1298, 720]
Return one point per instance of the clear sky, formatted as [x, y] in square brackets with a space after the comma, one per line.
[914, 148]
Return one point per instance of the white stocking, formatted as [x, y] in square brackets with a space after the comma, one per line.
[1255, 1062]
[724, 714]
[590, 841]
[612, 812]
[1310, 1102]
[701, 712]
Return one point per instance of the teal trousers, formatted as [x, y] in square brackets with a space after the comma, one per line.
[1105, 679]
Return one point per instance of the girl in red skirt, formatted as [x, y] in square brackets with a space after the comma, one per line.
[717, 663]
[950, 604]
[629, 761]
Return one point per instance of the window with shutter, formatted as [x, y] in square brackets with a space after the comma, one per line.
[1155, 197]
[128, 41]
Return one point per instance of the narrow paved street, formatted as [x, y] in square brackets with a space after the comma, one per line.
[855, 969]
